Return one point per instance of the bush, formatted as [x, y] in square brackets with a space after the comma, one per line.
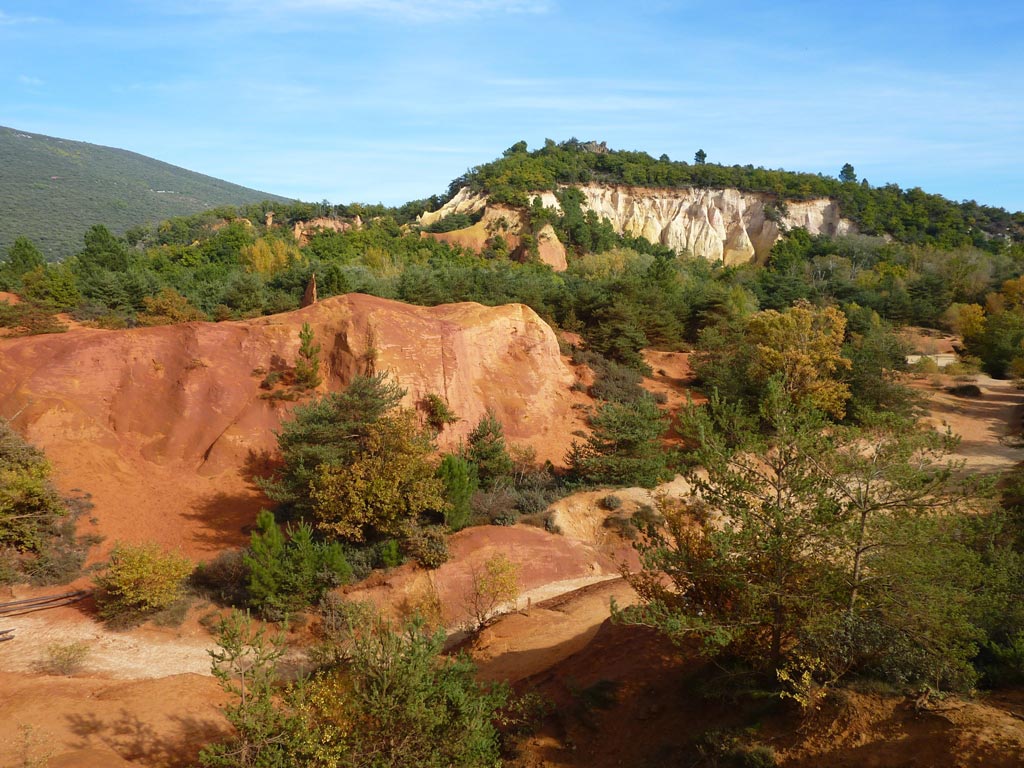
[64, 658]
[492, 585]
[289, 575]
[611, 502]
[140, 580]
[497, 507]
[965, 390]
[530, 501]
[428, 546]
[439, 413]
[460, 484]
[225, 579]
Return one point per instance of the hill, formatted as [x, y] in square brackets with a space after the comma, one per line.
[52, 190]
[175, 414]
[908, 216]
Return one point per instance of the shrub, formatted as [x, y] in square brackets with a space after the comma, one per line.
[965, 390]
[460, 484]
[225, 579]
[530, 501]
[428, 546]
[611, 502]
[439, 413]
[491, 585]
[64, 658]
[488, 452]
[307, 364]
[140, 580]
[497, 507]
[288, 575]
[389, 554]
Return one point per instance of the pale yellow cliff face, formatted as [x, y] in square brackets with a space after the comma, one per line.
[715, 224]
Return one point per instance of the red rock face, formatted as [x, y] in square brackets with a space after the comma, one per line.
[163, 426]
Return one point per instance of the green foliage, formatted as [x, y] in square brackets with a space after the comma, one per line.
[912, 216]
[389, 698]
[140, 580]
[307, 364]
[22, 257]
[327, 432]
[53, 190]
[845, 546]
[624, 446]
[245, 665]
[439, 413]
[488, 453]
[37, 535]
[801, 346]
[287, 575]
[383, 490]
[460, 483]
[53, 287]
[451, 222]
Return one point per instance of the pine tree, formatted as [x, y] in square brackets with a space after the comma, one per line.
[307, 364]
[487, 451]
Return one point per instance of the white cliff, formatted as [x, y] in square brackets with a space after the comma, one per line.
[716, 224]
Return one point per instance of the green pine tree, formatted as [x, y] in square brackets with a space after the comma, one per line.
[307, 364]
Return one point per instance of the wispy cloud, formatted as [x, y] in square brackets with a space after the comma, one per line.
[32, 82]
[7, 20]
[416, 11]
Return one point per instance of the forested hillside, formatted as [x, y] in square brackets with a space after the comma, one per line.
[52, 190]
[911, 216]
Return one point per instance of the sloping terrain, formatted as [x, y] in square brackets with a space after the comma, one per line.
[165, 426]
[630, 698]
[52, 190]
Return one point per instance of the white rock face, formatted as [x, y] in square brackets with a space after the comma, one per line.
[716, 224]
[465, 201]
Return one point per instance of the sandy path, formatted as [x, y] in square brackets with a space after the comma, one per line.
[988, 426]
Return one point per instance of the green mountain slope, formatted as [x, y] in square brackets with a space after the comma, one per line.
[52, 190]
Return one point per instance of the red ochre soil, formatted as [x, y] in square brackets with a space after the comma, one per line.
[164, 427]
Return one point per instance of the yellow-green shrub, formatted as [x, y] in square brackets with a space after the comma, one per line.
[140, 579]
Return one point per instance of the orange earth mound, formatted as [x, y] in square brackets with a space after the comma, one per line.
[164, 427]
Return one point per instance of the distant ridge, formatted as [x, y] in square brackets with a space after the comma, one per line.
[52, 190]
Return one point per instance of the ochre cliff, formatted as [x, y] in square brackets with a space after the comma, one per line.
[163, 426]
[716, 224]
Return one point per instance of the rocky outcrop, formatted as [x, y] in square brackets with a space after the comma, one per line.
[466, 201]
[499, 220]
[164, 426]
[550, 249]
[716, 224]
[303, 231]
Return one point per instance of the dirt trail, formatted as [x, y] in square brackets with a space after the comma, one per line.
[989, 426]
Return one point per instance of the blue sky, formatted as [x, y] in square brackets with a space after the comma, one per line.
[388, 100]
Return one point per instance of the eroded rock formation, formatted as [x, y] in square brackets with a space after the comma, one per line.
[164, 426]
[716, 224]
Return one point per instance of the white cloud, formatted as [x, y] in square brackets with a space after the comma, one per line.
[29, 81]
